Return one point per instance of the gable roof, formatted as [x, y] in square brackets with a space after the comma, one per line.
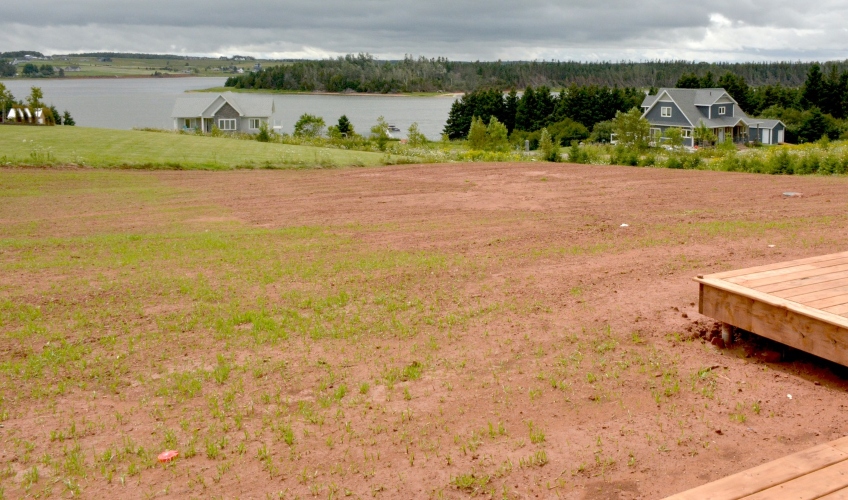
[206, 106]
[683, 101]
[688, 100]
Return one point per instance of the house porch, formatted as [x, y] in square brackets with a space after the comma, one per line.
[737, 134]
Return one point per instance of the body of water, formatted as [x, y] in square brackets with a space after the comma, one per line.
[124, 103]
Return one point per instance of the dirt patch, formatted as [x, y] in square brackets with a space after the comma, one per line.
[565, 357]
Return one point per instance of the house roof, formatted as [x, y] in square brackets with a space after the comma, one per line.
[649, 100]
[688, 100]
[206, 106]
[708, 97]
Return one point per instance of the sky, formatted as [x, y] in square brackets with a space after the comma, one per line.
[598, 30]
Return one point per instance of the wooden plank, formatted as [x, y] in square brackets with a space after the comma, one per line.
[828, 302]
[840, 309]
[793, 276]
[806, 298]
[767, 475]
[837, 495]
[821, 284]
[766, 298]
[784, 285]
[782, 324]
[809, 486]
[790, 267]
[768, 267]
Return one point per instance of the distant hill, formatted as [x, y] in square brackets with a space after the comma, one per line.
[20, 53]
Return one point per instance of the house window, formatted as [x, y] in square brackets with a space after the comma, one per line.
[665, 111]
[255, 123]
[722, 110]
[227, 124]
[687, 132]
[655, 132]
[188, 123]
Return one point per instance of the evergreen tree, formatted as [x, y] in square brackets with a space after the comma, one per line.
[689, 81]
[813, 89]
[67, 119]
[708, 81]
[525, 110]
[832, 93]
[816, 126]
[56, 116]
[510, 109]
[738, 89]
[344, 126]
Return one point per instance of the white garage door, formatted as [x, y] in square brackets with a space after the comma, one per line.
[766, 136]
[780, 135]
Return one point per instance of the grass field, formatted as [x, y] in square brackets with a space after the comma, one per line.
[104, 148]
[128, 66]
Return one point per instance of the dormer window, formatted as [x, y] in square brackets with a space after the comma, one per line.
[722, 110]
[665, 111]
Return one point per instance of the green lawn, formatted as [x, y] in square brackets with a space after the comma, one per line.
[104, 148]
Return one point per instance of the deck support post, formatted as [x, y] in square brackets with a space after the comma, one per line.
[727, 333]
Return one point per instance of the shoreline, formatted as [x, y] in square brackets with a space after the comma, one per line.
[325, 93]
[107, 77]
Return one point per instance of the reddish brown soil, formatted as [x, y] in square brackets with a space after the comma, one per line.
[551, 235]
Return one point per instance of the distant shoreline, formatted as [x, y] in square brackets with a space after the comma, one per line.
[107, 77]
[321, 92]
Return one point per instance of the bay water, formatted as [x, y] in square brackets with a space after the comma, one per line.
[126, 103]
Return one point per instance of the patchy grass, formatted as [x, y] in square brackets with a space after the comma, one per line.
[104, 148]
[332, 356]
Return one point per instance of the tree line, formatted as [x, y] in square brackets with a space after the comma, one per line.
[817, 107]
[567, 115]
[364, 73]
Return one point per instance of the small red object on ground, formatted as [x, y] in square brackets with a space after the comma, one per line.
[168, 455]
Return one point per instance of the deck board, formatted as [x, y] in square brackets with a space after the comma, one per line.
[788, 270]
[768, 267]
[794, 275]
[811, 473]
[786, 285]
[801, 303]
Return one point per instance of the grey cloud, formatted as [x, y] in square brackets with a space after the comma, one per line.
[580, 29]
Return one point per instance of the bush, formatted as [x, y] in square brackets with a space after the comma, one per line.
[309, 126]
[568, 130]
[576, 154]
[622, 155]
[414, 137]
[548, 148]
[264, 134]
[380, 133]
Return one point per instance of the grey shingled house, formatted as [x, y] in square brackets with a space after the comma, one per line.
[687, 108]
[229, 112]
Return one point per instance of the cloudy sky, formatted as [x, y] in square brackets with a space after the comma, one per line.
[718, 30]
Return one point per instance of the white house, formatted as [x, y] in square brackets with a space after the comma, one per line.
[229, 112]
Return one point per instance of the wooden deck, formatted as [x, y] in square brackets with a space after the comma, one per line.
[801, 303]
[818, 472]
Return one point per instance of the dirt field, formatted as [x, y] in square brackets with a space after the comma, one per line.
[397, 332]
